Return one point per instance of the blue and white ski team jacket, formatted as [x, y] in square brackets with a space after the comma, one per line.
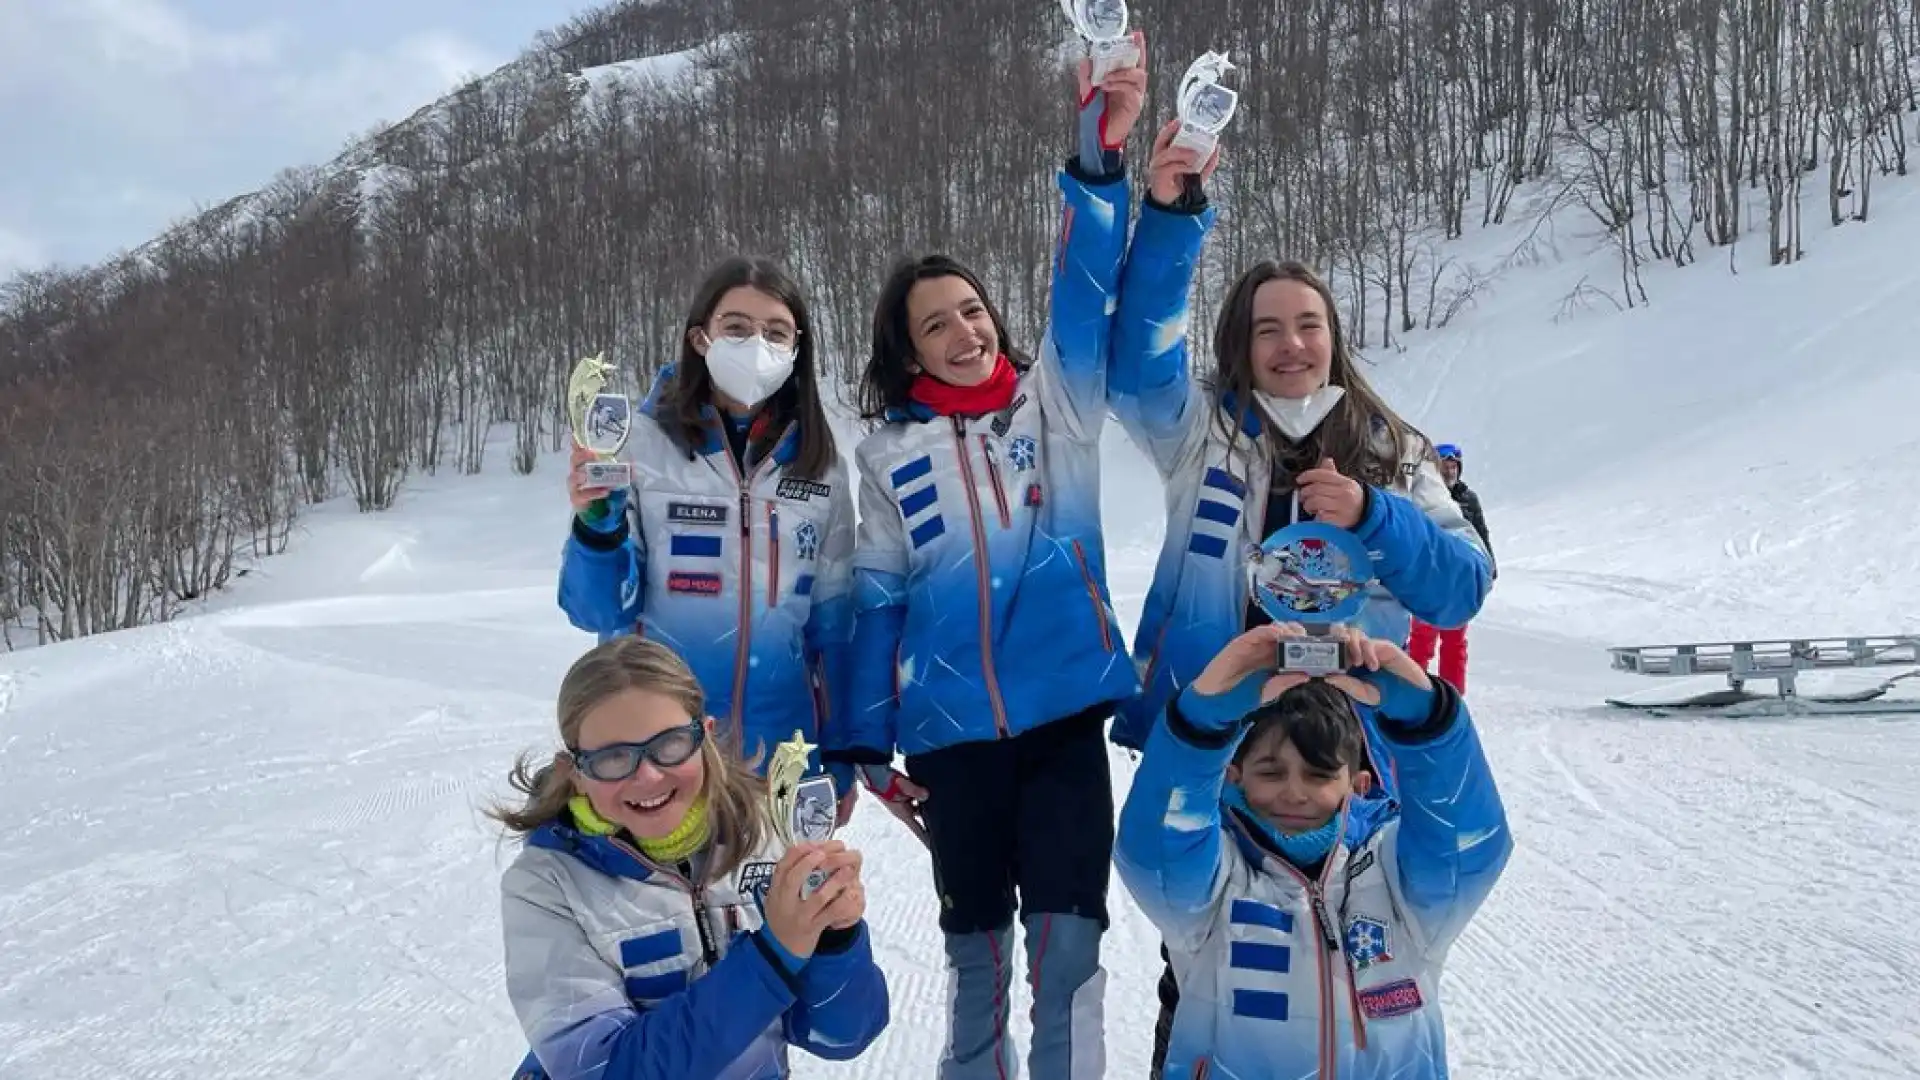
[620, 969]
[1427, 559]
[1282, 977]
[980, 577]
[747, 578]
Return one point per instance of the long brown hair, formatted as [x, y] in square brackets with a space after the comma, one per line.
[736, 795]
[682, 401]
[1348, 434]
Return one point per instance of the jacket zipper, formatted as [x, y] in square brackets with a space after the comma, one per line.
[773, 555]
[1093, 594]
[683, 874]
[984, 575]
[1330, 941]
[745, 630]
[999, 490]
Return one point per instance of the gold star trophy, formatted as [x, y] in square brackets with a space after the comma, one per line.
[601, 423]
[804, 808]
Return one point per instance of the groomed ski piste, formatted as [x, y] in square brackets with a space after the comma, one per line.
[248, 843]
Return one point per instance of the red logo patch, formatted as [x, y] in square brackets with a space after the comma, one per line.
[682, 581]
[1393, 999]
[1033, 494]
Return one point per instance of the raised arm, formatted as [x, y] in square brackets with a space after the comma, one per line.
[1168, 849]
[1086, 257]
[1452, 840]
[1150, 386]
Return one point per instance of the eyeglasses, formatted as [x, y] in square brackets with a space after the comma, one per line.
[739, 328]
[617, 761]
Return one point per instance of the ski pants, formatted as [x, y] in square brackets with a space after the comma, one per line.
[1023, 825]
[1453, 651]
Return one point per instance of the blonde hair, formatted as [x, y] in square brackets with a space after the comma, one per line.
[736, 795]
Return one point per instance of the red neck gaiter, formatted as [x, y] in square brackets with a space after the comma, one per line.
[946, 399]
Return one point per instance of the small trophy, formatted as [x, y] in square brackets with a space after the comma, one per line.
[601, 423]
[1205, 106]
[805, 808]
[1102, 24]
[1317, 575]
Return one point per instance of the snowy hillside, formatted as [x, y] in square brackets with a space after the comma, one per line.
[247, 844]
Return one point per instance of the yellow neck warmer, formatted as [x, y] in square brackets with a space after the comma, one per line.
[677, 846]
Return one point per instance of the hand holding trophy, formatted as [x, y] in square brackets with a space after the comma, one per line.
[1205, 106]
[601, 424]
[1315, 575]
[1102, 25]
[804, 808]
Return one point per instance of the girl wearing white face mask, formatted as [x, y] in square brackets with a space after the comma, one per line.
[1286, 429]
[733, 545]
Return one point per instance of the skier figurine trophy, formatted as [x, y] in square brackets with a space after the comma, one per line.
[1205, 106]
[1316, 575]
[1102, 24]
[804, 808]
[601, 423]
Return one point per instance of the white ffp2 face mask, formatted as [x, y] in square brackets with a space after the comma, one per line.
[749, 371]
[1297, 417]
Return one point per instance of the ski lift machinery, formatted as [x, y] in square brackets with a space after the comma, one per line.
[1781, 661]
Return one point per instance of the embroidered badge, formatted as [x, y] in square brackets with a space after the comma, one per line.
[792, 487]
[1023, 453]
[696, 513]
[1394, 999]
[1368, 943]
[806, 539]
[685, 581]
[754, 879]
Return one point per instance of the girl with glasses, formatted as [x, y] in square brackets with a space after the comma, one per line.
[732, 545]
[655, 926]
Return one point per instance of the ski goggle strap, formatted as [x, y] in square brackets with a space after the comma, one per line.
[1447, 451]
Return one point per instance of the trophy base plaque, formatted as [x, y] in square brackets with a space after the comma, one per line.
[610, 475]
[1111, 56]
[1313, 656]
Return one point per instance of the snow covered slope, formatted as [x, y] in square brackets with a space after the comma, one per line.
[248, 844]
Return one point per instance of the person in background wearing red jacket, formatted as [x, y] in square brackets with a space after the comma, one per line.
[1453, 643]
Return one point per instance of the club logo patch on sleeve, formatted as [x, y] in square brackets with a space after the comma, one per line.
[686, 581]
[682, 513]
[1393, 999]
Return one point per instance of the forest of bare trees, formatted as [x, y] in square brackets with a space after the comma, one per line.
[165, 416]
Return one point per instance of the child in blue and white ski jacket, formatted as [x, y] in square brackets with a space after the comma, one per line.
[639, 946]
[1330, 971]
[985, 644]
[980, 570]
[1213, 451]
[743, 570]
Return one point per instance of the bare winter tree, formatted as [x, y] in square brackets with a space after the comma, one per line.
[164, 416]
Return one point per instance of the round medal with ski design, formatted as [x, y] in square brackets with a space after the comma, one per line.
[1311, 573]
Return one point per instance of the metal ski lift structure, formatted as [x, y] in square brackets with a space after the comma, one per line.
[1781, 661]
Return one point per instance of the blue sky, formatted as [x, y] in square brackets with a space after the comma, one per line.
[118, 117]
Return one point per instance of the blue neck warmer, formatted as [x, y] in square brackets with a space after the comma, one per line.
[1301, 849]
